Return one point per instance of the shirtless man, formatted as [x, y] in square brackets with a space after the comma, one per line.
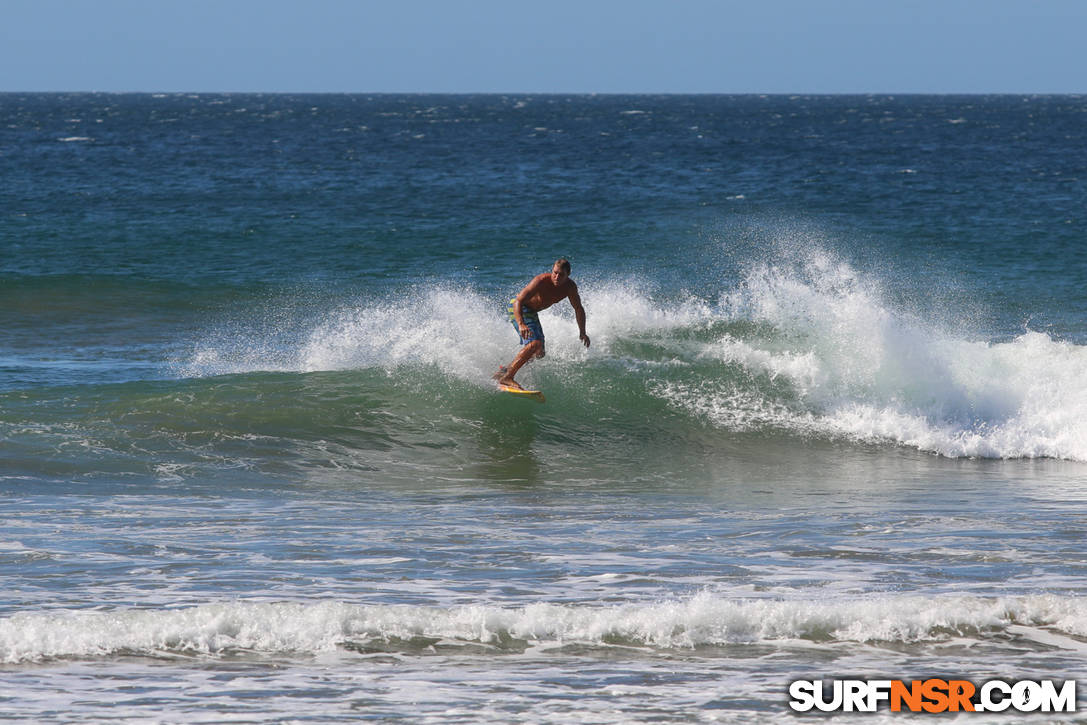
[543, 291]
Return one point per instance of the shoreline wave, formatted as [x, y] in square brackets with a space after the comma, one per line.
[701, 621]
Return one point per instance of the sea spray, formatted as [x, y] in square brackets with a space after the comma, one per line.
[862, 368]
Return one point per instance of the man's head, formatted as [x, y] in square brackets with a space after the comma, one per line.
[560, 271]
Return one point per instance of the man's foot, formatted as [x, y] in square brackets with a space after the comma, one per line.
[502, 369]
[509, 382]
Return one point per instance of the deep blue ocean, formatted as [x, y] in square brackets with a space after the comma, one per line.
[833, 421]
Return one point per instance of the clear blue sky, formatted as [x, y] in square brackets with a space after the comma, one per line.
[576, 46]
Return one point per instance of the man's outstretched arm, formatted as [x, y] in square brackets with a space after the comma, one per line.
[579, 315]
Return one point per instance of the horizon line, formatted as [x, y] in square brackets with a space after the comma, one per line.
[544, 93]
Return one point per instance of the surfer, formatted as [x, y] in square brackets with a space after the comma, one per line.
[543, 291]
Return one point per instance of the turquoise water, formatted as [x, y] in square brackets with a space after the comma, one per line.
[831, 423]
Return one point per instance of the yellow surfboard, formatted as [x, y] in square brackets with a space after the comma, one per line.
[533, 394]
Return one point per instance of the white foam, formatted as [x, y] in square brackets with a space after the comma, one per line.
[462, 333]
[701, 620]
[863, 369]
[623, 308]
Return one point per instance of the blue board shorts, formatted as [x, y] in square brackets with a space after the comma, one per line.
[532, 322]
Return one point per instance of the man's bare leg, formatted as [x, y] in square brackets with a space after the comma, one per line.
[532, 349]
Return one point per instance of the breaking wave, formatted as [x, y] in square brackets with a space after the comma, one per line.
[805, 345]
[703, 620]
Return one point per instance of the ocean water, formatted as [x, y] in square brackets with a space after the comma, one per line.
[833, 421]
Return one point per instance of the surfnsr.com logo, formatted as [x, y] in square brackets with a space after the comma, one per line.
[933, 695]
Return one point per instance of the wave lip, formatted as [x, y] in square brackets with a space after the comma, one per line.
[699, 621]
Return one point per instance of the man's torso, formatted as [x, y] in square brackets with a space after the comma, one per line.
[545, 293]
